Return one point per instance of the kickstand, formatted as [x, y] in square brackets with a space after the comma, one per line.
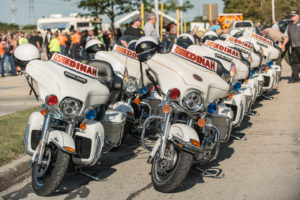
[205, 172]
[91, 176]
[236, 137]
[269, 98]
[251, 113]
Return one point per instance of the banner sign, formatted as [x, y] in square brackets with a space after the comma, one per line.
[199, 60]
[75, 65]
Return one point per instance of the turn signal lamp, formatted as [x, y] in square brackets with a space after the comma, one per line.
[137, 101]
[237, 86]
[201, 122]
[195, 142]
[51, 100]
[246, 81]
[229, 96]
[69, 149]
[43, 111]
[211, 108]
[174, 94]
[82, 126]
[130, 114]
[90, 114]
[166, 109]
[266, 69]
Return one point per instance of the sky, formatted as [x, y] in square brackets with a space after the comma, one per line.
[47, 7]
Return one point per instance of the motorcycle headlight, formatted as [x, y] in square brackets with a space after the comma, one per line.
[131, 85]
[193, 100]
[70, 106]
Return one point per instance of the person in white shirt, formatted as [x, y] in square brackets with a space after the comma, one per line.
[149, 28]
[275, 25]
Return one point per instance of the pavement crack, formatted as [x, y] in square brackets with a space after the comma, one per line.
[134, 194]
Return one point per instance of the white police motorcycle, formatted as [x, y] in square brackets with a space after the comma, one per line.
[75, 124]
[188, 108]
[269, 52]
[239, 99]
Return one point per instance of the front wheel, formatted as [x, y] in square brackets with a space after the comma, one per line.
[47, 176]
[168, 173]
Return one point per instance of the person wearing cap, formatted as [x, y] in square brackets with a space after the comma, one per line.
[134, 29]
[292, 34]
[149, 28]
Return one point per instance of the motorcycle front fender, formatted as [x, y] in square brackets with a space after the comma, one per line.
[182, 132]
[62, 140]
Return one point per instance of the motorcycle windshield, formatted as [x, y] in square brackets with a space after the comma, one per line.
[174, 71]
[54, 78]
[246, 49]
[238, 69]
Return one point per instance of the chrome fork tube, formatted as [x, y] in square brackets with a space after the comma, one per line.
[69, 129]
[44, 137]
[165, 134]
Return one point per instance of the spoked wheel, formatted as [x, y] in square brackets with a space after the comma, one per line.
[168, 173]
[47, 176]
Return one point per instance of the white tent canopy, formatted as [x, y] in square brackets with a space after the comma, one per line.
[127, 18]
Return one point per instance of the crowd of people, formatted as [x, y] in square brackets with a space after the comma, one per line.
[72, 44]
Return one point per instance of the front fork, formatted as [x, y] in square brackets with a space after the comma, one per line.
[165, 134]
[44, 138]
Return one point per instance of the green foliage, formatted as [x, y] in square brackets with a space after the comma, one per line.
[12, 129]
[258, 10]
[29, 27]
[8, 27]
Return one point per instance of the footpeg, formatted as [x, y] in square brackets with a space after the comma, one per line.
[266, 97]
[236, 137]
[215, 174]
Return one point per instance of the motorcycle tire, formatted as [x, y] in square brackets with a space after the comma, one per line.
[52, 176]
[176, 175]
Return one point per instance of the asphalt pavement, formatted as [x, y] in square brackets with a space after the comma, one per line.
[264, 164]
[14, 95]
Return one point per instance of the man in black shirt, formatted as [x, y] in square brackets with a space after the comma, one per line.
[34, 40]
[292, 34]
[134, 29]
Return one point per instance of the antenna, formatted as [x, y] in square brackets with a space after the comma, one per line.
[13, 11]
[31, 12]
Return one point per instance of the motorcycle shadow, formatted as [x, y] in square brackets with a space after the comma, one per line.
[207, 170]
[74, 184]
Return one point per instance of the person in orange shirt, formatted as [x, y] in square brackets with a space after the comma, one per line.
[75, 45]
[1, 57]
[62, 41]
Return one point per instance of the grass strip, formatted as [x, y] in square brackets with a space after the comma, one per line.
[12, 128]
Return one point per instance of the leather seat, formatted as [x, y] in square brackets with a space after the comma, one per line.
[107, 77]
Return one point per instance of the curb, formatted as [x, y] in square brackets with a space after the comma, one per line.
[14, 172]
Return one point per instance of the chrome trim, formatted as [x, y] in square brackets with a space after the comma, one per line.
[144, 129]
[165, 134]
[97, 150]
[44, 138]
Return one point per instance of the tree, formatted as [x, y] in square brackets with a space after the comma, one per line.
[110, 8]
[261, 9]
[114, 8]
